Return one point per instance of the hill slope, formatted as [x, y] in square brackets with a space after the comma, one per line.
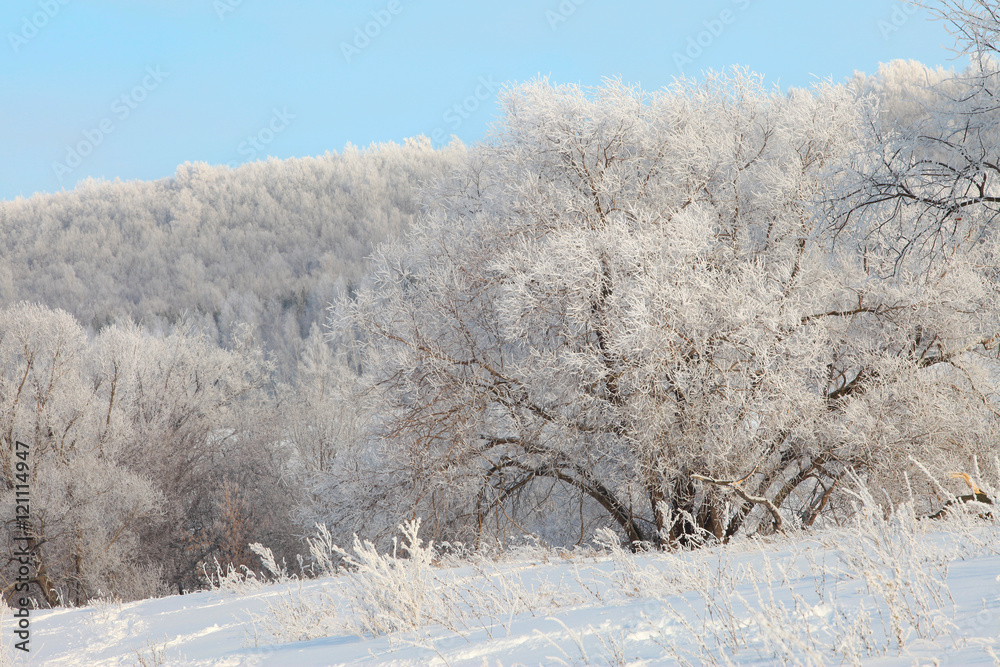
[267, 244]
[892, 595]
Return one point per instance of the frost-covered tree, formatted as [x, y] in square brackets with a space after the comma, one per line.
[199, 421]
[624, 295]
[322, 419]
[931, 170]
[975, 24]
[148, 456]
[86, 507]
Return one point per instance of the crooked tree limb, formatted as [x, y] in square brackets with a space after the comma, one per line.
[734, 484]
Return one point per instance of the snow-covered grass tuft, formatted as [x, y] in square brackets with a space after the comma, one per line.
[241, 580]
[295, 615]
[403, 591]
[155, 654]
[235, 580]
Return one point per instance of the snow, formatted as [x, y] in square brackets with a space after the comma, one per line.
[894, 596]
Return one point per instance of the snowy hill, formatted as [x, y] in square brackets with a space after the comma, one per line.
[892, 594]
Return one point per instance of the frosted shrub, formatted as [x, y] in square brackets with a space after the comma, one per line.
[384, 593]
[402, 591]
[239, 580]
[388, 593]
[322, 551]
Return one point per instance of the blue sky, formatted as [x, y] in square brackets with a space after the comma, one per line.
[132, 88]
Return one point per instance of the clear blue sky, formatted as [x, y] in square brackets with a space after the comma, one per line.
[141, 86]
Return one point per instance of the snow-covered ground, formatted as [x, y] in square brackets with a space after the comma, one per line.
[892, 594]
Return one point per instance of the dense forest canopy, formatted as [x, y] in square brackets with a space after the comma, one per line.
[266, 245]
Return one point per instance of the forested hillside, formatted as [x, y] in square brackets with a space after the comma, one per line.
[268, 244]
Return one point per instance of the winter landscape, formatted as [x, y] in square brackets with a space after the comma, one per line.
[702, 373]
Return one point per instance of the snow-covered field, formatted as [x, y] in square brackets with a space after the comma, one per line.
[884, 592]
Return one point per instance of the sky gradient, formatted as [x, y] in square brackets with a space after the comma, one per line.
[132, 88]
